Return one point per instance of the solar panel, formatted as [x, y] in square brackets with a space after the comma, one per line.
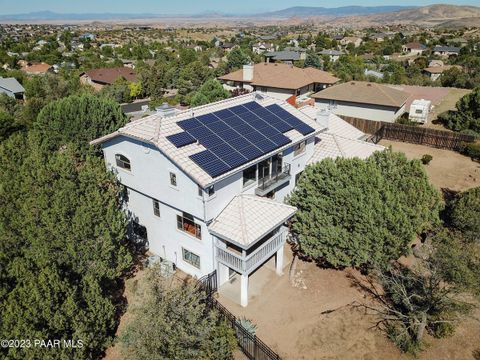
[216, 168]
[251, 152]
[189, 124]
[270, 131]
[222, 114]
[222, 150]
[203, 157]
[228, 134]
[211, 141]
[200, 132]
[239, 142]
[181, 139]
[252, 105]
[304, 129]
[239, 109]
[207, 118]
[266, 145]
[280, 140]
[234, 159]
[217, 126]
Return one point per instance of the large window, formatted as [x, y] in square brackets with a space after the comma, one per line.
[191, 258]
[250, 175]
[300, 148]
[186, 223]
[156, 208]
[123, 162]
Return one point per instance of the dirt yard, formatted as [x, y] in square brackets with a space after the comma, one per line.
[447, 170]
[313, 320]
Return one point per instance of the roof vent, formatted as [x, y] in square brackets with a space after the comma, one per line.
[259, 96]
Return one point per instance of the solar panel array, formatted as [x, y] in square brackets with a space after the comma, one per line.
[237, 135]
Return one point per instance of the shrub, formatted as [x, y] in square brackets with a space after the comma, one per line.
[426, 159]
[360, 213]
[471, 149]
[465, 213]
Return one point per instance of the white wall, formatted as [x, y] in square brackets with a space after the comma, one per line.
[362, 111]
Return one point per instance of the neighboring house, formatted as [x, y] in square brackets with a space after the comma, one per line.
[12, 88]
[414, 48]
[87, 36]
[37, 69]
[98, 78]
[436, 72]
[280, 81]
[285, 56]
[364, 100]
[206, 186]
[356, 41]
[379, 37]
[446, 50]
[228, 46]
[333, 55]
[373, 73]
[262, 47]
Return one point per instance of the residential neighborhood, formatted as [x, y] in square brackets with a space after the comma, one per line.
[210, 181]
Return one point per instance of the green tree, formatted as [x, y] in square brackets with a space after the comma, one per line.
[465, 213]
[209, 92]
[135, 89]
[466, 116]
[77, 119]
[361, 213]
[313, 60]
[174, 323]
[236, 59]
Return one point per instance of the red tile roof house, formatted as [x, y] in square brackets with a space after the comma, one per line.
[37, 69]
[98, 78]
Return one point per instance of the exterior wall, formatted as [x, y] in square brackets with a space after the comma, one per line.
[281, 94]
[362, 111]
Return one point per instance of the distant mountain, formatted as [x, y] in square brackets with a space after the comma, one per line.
[307, 11]
[53, 16]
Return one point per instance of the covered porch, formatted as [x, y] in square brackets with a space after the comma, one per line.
[248, 233]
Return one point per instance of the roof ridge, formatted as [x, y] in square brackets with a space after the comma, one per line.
[243, 225]
[382, 89]
[338, 144]
[265, 200]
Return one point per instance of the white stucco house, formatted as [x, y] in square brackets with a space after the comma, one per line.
[206, 186]
[363, 100]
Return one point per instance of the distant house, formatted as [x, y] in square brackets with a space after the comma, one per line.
[98, 78]
[364, 100]
[12, 88]
[227, 46]
[37, 69]
[280, 81]
[435, 72]
[414, 48]
[446, 50]
[334, 55]
[379, 37]
[286, 56]
[373, 73]
[87, 36]
[262, 47]
[356, 41]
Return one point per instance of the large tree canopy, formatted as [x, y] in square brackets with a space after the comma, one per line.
[77, 119]
[209, 92]
[356, 212]
[465, 213]
[466, 117]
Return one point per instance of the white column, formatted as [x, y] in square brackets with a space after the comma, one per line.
[279, 262]
[244, 290]
[222, 273]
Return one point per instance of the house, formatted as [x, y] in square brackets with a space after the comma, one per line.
[379, 37]
[87, 36]
[98, 78]
[333, 55]
[364, 100]
[414, 48]
[285, 56]
[227, 47]
[356, 41]
[37, 69]
[262, 47]
[278, 80]
[12, 88]
[435, 72]
[446, 50]
[206, 186]
[373, 73]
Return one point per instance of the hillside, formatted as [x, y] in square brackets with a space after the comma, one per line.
[308, 11]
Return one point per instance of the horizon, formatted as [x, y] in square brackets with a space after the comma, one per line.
[192, 7]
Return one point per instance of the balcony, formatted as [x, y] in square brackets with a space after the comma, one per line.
[269, 183]
[246, 264]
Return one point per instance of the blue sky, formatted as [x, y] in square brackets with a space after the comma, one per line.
[190, 6]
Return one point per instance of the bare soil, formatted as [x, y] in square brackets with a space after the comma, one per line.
[447, 170]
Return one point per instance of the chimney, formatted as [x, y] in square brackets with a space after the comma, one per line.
[248, 72]
[322, 118]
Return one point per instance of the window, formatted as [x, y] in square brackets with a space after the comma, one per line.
[186, 223]
[173, 179]
[122, 162]
[299, 148]
[211, 191]
[249, 175]
[156, 208]
[191, 258]
[200, 191]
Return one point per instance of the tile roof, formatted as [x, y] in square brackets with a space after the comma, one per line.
[364, 93]
[248, 218]
[109, 75]
[36, 68]
[154, 129]
[283, 55]
[441, 69]
[11, 84]
[282, 76]
[446, 48]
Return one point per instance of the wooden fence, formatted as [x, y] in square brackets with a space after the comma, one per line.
[251, 345]
[411, 134]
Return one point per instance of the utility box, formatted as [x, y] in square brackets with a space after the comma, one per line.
[419, 110]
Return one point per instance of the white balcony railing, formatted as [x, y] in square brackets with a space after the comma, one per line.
[247, 264]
